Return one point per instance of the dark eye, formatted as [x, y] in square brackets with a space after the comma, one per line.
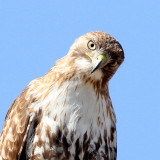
[91, 45]
[113, 63]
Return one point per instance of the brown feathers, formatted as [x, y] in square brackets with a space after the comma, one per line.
[67, 114]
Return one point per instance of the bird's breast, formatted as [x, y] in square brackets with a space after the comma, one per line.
[74, 121]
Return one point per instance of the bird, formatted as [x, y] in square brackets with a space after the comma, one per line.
[67, 114]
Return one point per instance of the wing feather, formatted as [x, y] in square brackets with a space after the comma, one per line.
[16, 126]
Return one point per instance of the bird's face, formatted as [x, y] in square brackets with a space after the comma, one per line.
[101, 50]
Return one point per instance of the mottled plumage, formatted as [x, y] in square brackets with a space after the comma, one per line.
[67, 114]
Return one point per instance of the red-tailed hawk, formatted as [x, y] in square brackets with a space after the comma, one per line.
[67, 114]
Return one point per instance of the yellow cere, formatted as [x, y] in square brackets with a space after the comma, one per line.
[102, 57]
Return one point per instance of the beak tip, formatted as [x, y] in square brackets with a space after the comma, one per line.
[92, 71]
[96, 66]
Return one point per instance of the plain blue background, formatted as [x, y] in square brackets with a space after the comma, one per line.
[35, 33]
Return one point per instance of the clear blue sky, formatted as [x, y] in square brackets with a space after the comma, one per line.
[35, 33]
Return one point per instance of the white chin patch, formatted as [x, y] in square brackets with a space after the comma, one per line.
[85, 66]
[97, 75]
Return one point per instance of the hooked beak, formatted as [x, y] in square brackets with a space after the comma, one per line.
[98, 62]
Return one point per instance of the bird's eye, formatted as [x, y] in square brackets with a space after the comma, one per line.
[113, 64]
[91, 45]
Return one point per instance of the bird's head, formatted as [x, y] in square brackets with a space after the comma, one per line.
[97, 51]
